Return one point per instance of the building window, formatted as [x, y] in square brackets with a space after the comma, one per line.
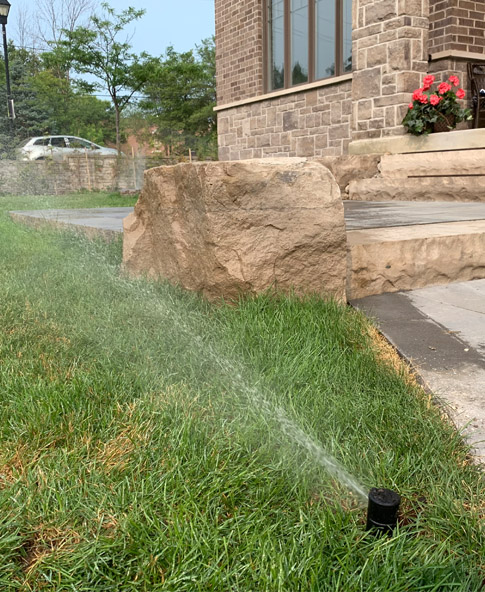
[307, 40]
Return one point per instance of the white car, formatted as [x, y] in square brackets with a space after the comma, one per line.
[59, 147]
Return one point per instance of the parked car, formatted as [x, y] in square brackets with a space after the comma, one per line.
[59, 147]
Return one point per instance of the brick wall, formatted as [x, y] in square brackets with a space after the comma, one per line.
[457, 25]
[71, 175]
[442, 22]
[239, 49]
[311, 123]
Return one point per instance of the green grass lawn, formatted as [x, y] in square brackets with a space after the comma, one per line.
[147, 437]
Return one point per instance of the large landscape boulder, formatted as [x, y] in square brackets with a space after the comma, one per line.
[229, 228]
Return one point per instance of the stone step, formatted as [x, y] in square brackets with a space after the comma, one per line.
[403, 258]
[426, 176]
[433, 164]
[430, 188]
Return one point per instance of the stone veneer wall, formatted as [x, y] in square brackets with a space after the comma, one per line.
[239, 49]
[71, 175]
[390, 53]
[392, 41]
[309, 123]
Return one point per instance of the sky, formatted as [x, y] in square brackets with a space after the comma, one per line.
[181, 23]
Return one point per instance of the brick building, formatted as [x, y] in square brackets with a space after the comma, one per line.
[311, 77]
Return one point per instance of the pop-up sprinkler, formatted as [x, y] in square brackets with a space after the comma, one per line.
[383, 510]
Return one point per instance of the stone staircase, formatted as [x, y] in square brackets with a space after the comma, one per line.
[386, 258]
[457, 175]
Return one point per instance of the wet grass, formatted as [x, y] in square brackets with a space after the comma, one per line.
[137, 453]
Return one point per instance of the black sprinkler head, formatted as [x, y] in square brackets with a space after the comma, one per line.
[383, 510]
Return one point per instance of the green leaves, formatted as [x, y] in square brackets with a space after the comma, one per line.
[181, 96]
[97, 50]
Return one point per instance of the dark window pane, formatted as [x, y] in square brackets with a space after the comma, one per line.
[78, 143]
[58, 142]
[347, 35]
[299, 41]
[276, 19]
[325, 38]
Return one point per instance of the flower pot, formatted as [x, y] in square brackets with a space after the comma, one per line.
[445, 123]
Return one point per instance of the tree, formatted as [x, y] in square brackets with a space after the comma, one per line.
[41, 24]
[97, 50]
[180, 97]
[47, 104]
[55, 17]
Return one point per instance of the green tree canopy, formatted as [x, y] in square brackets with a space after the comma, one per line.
[48, 104]
[98, 50]
[180, 97]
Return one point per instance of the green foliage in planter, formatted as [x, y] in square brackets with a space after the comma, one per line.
[430, 107]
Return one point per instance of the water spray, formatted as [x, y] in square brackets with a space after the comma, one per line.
[383, 510]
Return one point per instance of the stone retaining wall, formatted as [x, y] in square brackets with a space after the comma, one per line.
[73, 174]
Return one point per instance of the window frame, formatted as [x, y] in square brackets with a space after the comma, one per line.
[339, 45]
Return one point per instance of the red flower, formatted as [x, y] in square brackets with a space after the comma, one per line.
[434, 99]
[417, 94]
[423, 99]
[443, 88]
[428, 81]
[410, 106]
[454, 80]
[460, 93]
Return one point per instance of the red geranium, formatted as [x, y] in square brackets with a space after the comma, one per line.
[432, 107]
[428, 81]
[417, 94]
[454, 80]
[444, 87]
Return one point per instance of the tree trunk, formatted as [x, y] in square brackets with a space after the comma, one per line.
[118, 140]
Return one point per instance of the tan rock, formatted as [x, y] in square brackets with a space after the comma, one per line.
[228, 228]
[351, 167]
[430, 164]
[464, 189]
[406, 258]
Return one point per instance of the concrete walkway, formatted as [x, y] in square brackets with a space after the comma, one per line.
[440, 330]
[365, 214]
[358, 215]
[106, 222]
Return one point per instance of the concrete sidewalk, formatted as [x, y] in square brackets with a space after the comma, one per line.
[441, 331]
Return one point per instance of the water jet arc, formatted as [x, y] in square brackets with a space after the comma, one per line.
[383, 510]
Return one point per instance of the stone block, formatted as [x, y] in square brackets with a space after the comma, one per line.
[226, 229]
[366, 84]
[305, 146]
[347, 168]
[290, 120]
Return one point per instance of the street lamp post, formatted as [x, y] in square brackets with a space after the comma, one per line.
[4, 10]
